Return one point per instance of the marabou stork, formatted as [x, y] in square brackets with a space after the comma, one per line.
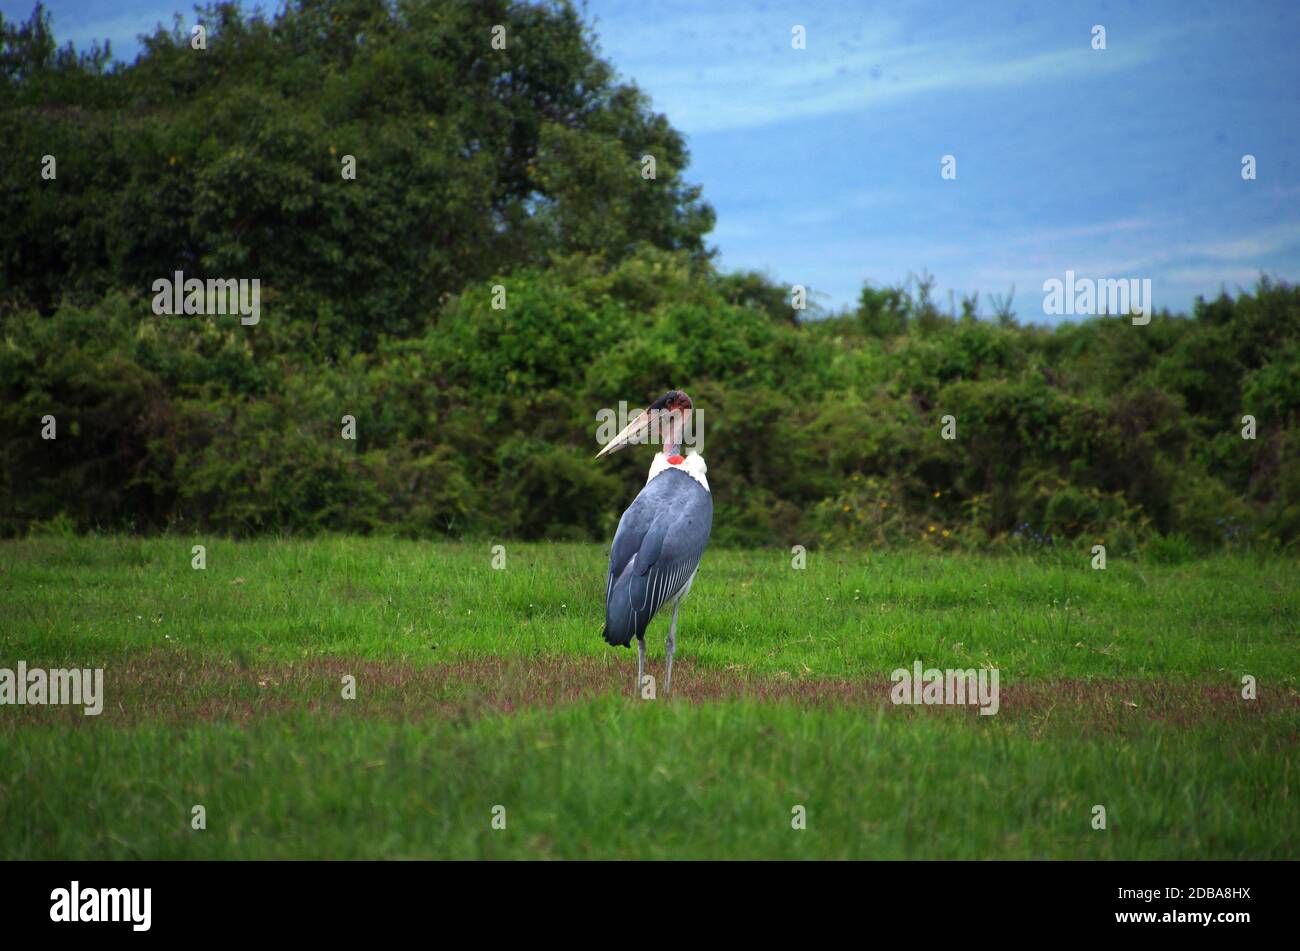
[662, 535]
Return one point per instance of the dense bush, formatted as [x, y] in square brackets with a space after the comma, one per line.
[484, 425]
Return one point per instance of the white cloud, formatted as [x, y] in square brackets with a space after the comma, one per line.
[752, 78]
[1254, 245]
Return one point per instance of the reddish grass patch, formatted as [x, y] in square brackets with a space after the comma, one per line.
[182, 687]
[178, 687]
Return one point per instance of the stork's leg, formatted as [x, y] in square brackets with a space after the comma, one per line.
[640, 667]
[671, 645]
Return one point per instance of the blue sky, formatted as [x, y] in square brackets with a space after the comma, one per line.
[824, 163]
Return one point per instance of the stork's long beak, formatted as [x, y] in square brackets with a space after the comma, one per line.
[629, 433]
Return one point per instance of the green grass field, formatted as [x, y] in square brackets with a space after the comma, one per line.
[478, 688]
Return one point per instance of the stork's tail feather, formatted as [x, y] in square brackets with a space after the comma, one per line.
[620, 619]
[614, 638]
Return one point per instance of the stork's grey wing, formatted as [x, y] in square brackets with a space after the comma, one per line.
[660, 540]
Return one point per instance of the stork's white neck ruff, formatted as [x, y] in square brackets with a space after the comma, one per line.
[692, 464]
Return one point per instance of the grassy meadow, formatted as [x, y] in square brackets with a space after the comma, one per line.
[478, 688]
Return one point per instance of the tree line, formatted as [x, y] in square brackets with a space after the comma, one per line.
[497, 270]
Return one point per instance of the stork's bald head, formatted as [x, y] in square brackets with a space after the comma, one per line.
[665, 420]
